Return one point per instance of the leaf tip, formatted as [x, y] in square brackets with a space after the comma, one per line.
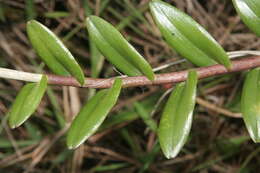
[256, 139]
[71, 146]
[12, 125]
[31, 22]
[90, 18]
[171, 154]
[72, 139]
[69, 142]
[73, 143]
[12, 122]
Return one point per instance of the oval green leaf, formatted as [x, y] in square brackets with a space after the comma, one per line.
[187, 37]
[92, 115]
[250, 104]
[53, 52]
[116, 49]
[27, 102]
[175, 124]
[249, 11]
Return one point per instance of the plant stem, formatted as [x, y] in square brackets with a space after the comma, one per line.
[19, 75]
[173, 77]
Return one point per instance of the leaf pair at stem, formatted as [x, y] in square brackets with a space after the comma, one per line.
[109, 41]
[180, 31]
[174, 126]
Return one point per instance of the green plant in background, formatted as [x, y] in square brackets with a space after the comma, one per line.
[182, 33]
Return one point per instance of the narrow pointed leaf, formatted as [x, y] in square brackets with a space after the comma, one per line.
[176, 120]
[250, 104]
[27, 102]
[116, 49]
[187, 37]
[249, 11]
[52, 51]
[92, 115]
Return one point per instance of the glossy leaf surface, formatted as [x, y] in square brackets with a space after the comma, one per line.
[53, 52]
[250, 104]
[176, 120]
[116, 49]
[187, 37]
[249, 11]
[27, 102]
[92, 115]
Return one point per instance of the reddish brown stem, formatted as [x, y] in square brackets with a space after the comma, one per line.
[174, 77]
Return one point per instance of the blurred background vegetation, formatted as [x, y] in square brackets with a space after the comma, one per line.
[125, 143]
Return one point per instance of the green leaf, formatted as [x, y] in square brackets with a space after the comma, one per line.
[97, 60]
[249, 11]
[52, 51]
[187, 37]
[92, 115]
[250, 103]
[27, 102]
[116, 49]
[176, 120]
